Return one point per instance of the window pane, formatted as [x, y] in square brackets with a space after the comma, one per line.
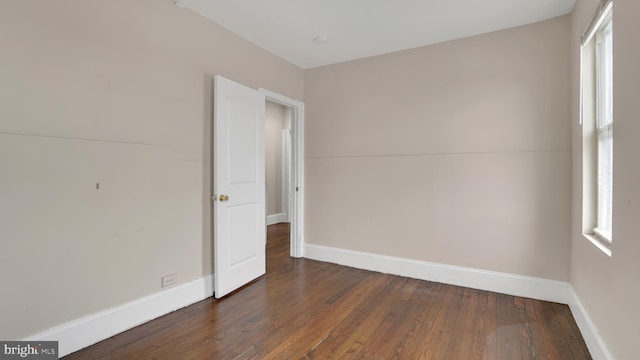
[604, 55]
[604, 125]
[605, 181]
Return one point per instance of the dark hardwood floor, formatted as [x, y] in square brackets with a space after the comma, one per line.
[305, 309]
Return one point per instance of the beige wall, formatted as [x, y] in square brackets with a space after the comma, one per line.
[118, 93]
[456, 153]
[274, 124]
[608, 286]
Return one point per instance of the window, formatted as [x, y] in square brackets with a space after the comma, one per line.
[597, 124]
[604, 127]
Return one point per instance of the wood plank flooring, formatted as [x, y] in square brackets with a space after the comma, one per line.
[304, 309]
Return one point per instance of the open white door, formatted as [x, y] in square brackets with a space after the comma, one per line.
[239, 186]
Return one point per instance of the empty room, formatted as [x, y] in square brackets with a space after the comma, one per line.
[355, 179]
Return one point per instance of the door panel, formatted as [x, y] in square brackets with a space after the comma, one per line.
[239, 186]
[243, 233]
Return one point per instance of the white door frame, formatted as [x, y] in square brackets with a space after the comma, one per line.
[287, 189]
[296, 215]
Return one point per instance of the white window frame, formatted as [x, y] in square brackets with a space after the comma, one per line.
[604, 128]
[596, 116]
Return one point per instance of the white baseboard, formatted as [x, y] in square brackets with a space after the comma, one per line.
[88, 330]
[277, 218]
[590, 333]
[517, 285]
[524, 286]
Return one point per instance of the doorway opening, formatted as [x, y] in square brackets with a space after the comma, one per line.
[285, 166]
[277, 162]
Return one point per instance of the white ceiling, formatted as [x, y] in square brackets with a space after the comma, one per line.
[361, 28]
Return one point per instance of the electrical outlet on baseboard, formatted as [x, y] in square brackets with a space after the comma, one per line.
[168, 280]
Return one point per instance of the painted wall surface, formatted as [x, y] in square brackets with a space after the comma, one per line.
[608, 286]
[274, 123]
[116, 93]
[455, 153]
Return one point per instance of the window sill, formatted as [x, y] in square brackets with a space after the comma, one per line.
[600, 242]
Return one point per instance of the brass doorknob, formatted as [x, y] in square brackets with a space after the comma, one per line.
[223, 197]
